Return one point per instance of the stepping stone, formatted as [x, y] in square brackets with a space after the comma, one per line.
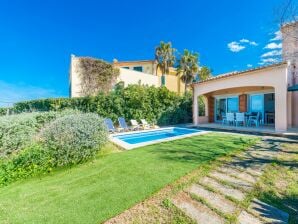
[244, 164]
[239, 174]
[195, 210]
[246, 218]
[268, 213]
[223, 189]
[249, 170]
[213, 199]
[234, 181]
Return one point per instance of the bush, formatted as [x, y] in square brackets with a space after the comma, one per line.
[74, 138]
[29, 162]
[132, 102]
[17, 131]
[3, 111]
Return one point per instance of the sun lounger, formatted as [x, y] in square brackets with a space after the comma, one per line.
[145, 124]
[122, 124]
[109, 124]
[134, 124]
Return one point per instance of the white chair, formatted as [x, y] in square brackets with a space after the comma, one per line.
[240, 118]
[134, 124]
[230, 118]
[145, 124]
[223, 119]
[256, 120]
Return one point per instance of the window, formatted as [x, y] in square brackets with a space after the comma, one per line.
[257, 103]
[138, 68]
[126, 67]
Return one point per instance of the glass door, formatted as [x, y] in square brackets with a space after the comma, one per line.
[221, 107]
[257, 104]
[225, 105]
[232, 105]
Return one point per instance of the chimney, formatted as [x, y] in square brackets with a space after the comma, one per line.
[290, 47]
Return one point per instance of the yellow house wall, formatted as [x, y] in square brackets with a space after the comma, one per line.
[148, 67]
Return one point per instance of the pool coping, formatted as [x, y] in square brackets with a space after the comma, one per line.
[128, 146]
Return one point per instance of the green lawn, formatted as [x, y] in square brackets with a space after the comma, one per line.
[105, 187]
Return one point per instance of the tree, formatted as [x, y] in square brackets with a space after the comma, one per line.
[188, 67]
[204, 73]
[165, 58]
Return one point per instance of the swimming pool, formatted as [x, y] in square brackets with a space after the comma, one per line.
[142, 138]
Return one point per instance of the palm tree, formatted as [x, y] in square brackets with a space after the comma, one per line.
[204, 73]
[165, 58]
[188, 67]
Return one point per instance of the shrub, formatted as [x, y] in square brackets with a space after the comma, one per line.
[132, 102]
[74, 138]
[29, 162]
[17, 131]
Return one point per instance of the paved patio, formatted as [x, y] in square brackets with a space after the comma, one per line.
[263, 130]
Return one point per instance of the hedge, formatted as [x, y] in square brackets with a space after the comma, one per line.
[158, 105]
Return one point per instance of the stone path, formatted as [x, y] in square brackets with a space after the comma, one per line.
[216, 197]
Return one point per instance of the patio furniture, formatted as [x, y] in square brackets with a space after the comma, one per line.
[230, 118]
[269, 117]
[240, 118]
[223, 118]
[122, 124]
[134, 124]
[109, 124]
[145, 124]
[255, 119]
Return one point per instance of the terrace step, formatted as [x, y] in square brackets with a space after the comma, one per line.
[223, 189]
[242, 184]
[267, 212]
[196, 210]
[213, 199]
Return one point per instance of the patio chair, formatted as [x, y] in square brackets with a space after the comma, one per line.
[223, 118]
[145, 124]
[240, 118]
[134, 124]
[122, 124]
[230, 118]
[256, 120]
[109, 124]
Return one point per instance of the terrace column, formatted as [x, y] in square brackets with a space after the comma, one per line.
[195, 107]
[281, 112]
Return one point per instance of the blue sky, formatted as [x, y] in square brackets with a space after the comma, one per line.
[37, 37]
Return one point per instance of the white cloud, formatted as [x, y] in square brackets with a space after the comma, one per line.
[273, 46]
[235, 46]
[249, 65]
[265, 61]
[272, 53]
[244, 41]
[11, 93]
[249, 42]
[277, 36]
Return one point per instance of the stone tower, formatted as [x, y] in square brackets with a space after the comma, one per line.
[290, 47]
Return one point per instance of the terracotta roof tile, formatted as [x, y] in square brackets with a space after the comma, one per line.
[226, 75]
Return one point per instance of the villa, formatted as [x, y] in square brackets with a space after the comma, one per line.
[271, 91]
[131, 72]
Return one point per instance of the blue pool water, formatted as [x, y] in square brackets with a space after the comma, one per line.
[135, 138]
